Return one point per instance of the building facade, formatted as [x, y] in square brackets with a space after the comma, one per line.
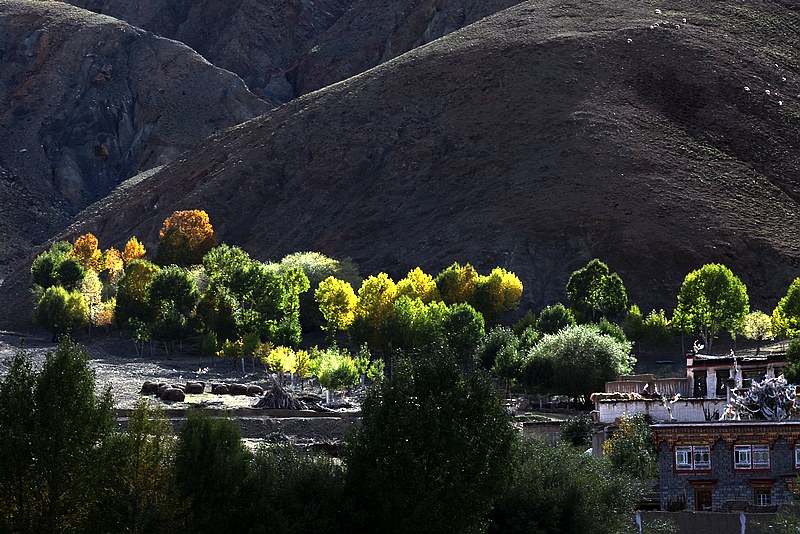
[727, 465]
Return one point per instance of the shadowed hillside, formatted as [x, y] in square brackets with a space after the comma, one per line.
[535, 139]
[285, 48]
[87, 101]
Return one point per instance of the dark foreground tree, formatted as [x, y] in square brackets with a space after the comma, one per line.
[434, 450]
[211, 465]
[53, 426]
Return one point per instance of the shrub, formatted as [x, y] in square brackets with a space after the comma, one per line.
[577, 430]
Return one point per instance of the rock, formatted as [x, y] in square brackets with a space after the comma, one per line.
[238, 389]
[148, 388]
[254, 391]
[162, 387]
[182, 387]
[173, 395]
[219, 389]
[194, 388]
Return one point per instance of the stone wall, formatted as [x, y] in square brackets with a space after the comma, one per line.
[682, 410]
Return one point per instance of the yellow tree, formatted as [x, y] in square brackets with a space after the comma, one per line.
[134, 250]
[114, 265]
[86, 252]
[456, 284]
[185, 238]
[497, 293]
[418, 285]
[337, 303]
[375, 305]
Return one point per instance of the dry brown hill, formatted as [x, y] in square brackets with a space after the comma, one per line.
[536, 139]
[87, 101]
[286, 48]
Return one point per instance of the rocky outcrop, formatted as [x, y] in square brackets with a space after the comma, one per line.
[87, 101]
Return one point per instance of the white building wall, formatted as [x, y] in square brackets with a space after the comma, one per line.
[682, 410]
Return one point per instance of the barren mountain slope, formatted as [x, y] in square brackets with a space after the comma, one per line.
[285, 48]
[87, 101]
[535, 139]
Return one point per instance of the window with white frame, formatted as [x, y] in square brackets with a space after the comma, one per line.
[742, 457]
[692, 457]
[752, 456]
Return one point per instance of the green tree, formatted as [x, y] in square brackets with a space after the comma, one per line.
[132, 292]
[554, 318]
[141, 492]
[758, 327]
[555, 490]
[18, 478]
[792, 372]
[786, 316]
[220, 263]
[456, 284]
[44, 270]
[633, 324]
[657, 328]
[631, 449]
[496, 340]
[583, 360]
[211, 466]
[71, 273]
[318, 267]
[70, 422]
[173, 288]
[61, 312]
[712, 299]
[463, 329]
[433, 452]
[595, 292]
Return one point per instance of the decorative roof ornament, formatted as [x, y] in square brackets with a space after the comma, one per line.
[773, 399]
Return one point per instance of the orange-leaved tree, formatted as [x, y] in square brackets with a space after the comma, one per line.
[86, 252]
[185, 238]
[134, 250]
[114, 265]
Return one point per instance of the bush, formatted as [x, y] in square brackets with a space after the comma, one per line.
[577, 430]
[556, 490]
[291, 492]
[631, 450]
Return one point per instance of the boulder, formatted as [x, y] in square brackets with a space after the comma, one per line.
[194, 388]
[173, 394]
[219, 389]
[237, 389]
[148, 388]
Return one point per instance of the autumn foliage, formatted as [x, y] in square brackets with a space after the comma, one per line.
[134, 250]
[86, 252]
[185, 238]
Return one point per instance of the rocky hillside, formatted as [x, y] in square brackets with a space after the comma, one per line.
[655, 138]
[286, 48]
[87, 101]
